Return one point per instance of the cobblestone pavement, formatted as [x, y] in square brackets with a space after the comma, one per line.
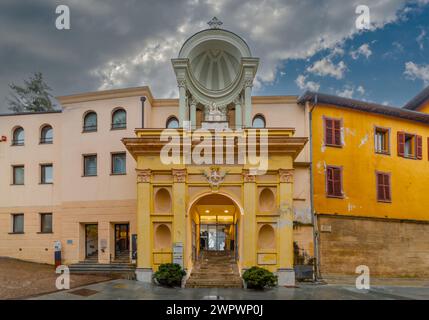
[133, 290]
[22, 279]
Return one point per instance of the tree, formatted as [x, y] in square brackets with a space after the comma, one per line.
[34, 96]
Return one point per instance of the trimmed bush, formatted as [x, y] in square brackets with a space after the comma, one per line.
[259, 278]
[170, 275]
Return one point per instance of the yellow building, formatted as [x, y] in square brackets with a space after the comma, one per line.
[190, 207]
[370, 194]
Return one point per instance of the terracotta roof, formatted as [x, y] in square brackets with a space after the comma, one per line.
[364, 106]
[418, 100]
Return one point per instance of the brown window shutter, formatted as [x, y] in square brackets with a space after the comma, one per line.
[337, 132]
[330, 181]
[387, 187]
[419, 147]
[337, 182]
[401, 143]
[380, 191]
[328, 131]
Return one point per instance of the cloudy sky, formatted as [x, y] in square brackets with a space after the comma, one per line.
[302, 44]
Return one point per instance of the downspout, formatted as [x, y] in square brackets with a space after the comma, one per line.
[142, 99]
[313, 213]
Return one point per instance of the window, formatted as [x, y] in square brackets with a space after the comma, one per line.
[90, 122]
[383, 187]
[18, 137]
[333, 132]
[46, 174]
[382, 140]
[334, 184]
[172, 123]
[118, 163]
[46, 135]
[90, 165]
[410, 146]
[46, 222]
[18, 175]
[18, 223]
[119, 119]
[258, 121]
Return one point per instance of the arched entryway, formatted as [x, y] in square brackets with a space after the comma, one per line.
[215, 218]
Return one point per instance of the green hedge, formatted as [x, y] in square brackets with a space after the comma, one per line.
[169, 274]
[259, 278]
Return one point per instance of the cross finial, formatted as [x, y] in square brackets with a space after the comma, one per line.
[215, 23]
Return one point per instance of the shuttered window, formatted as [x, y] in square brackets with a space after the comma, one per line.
[334, 184]
[383, 187]
[410, 146]
[381, 140]
[332, 132]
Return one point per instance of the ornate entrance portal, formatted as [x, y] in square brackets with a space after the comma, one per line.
[205, 190]
[215, 216]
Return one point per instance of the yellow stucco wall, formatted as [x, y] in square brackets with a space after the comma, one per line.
[409, 185]
[424, 107]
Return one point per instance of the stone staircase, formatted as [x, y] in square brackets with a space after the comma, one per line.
[120, 267]
[123, 257]
[215, 269]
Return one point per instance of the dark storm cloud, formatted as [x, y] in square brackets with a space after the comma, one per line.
[130, 43]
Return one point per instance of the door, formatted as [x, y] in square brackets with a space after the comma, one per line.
[91, 241]
[213, 237]
[122, 242]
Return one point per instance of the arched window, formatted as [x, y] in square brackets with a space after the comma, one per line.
[90, 122]
[258, 121]
[18, 137]
[119, 119]
[172, 123]
[46, 134]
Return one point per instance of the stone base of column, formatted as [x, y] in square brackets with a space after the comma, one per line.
[286, 277]
[144, 275]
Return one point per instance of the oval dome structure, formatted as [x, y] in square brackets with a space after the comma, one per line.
[215, 64]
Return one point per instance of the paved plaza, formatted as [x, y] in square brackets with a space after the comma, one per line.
[132, 290]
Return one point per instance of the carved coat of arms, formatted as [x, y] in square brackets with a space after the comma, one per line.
[215, 176]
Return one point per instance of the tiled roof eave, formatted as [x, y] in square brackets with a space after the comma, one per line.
[363, 106]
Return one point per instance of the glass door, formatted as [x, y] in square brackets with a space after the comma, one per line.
[91, 241]
[213, 237]
[211, 229]
[122, 244]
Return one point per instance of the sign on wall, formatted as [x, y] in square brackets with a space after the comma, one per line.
[178, 253]
[134, 247]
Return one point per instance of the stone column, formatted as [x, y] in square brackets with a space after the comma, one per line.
[179, 208]
[248, 258]
[193, 106]
[144, 249]
[248, 103]
[182, 101]
[286, 274]
[238, 113]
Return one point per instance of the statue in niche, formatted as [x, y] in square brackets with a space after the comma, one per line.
[215, 113]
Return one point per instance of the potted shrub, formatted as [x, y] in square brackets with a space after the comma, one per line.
[169, 274]
[259, 278]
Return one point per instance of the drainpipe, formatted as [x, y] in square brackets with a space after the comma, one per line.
[313, 213]
[142, 99]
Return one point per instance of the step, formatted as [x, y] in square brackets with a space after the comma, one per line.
[214, 285]
[97, 267]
